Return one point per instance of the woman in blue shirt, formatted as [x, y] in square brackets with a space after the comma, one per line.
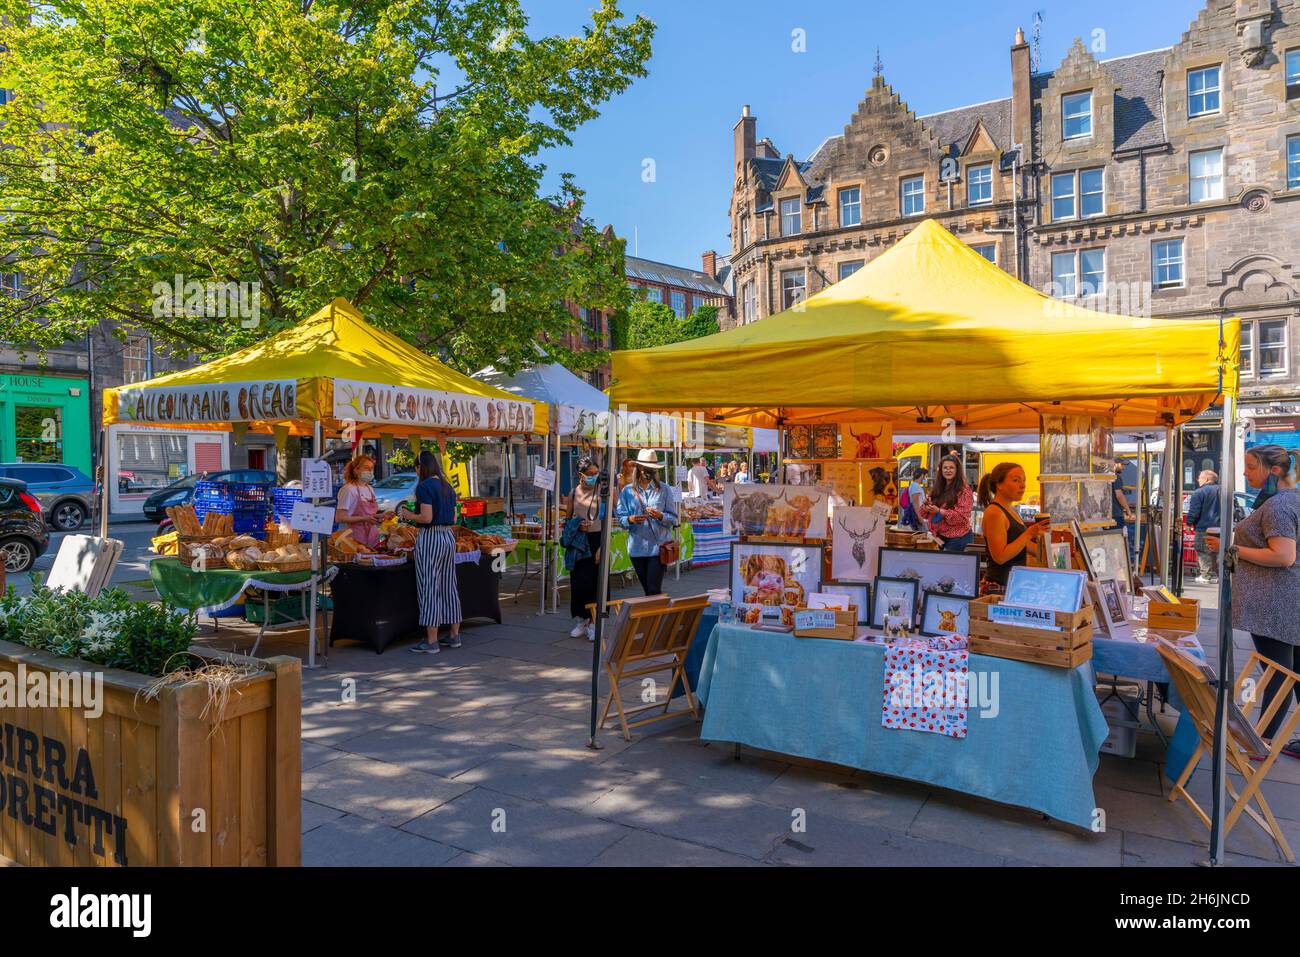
[435, 555]
[646, 510]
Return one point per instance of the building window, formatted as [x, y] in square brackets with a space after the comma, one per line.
[744, 231]
[1080, 193]
[1293, 74]
[912, 196]
[1167, 263]
[654, 294]
[135, 359]
[38, 433]
[679, 304]
[848, 269]
[988, 250]
[1064, 276]
[792, 287]
[790, 224]
[1248, 349]
[748, 304]
[1092, 272]
[1076, 116]
[1293, 162]
[850, 207]
[979, 185]
[1203, 91]
[11, 284]
[1207, 175]
[1272, 347]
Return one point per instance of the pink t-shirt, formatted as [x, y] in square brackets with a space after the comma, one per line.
[360, 500]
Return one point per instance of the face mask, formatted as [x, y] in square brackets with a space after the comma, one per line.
[589, 479]
[366, 477]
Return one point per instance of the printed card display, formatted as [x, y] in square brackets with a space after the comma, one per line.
[951, 573]
[1045, 588]
[856, 537]
[785, 510]
[773, 576]
[945, 615]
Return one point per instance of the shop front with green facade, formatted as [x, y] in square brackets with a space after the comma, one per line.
[45, 418]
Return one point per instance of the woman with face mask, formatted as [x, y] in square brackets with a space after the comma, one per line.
[1266, 571]
[581, 540]
[357, 507]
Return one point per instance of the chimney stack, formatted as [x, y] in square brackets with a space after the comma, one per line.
[710, 263]
[743, 137]
[1021, 94]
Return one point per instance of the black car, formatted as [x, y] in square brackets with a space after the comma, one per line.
[23, 535]
[182, 491]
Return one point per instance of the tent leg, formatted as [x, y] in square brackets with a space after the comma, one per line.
[602, 601]
[315, 561]
[1176, 551]
[103, 483]
[547, 499]
[1167, 475]
[554, 531]
[1227, 483]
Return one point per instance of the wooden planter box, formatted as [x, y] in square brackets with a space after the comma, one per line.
[135, 775]
[1067, 648]
[1183, 616]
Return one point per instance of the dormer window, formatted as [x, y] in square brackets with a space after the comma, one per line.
[790, 216]
[1203, 91]
[1076, 116]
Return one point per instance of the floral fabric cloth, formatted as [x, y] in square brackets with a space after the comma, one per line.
[925, 686]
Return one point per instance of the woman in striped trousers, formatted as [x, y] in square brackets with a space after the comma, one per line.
[435, 555]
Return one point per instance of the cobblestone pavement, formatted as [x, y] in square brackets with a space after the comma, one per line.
[478, 756]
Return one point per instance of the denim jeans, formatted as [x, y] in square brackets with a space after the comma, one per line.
[958, 544]
[1207, 562]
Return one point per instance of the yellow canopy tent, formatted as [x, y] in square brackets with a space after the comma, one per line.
[333, 368]
[930, 330]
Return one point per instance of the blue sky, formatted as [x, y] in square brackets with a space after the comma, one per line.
[713, 56]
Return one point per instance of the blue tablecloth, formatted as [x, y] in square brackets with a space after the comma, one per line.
[820, 699]
[1141, 660]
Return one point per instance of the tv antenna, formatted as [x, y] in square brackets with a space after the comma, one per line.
[1035, 54]
[879, 68]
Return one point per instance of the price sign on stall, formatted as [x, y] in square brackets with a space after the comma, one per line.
[544, 479]
[682, 473]
[316, 479]
[312, 518]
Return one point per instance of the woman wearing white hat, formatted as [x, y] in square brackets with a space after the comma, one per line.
[645, 509]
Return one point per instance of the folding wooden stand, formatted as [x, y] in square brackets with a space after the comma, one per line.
[649, 636]
[1196, 684]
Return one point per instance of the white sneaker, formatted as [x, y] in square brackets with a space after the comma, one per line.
[579, 629]
[591, 632]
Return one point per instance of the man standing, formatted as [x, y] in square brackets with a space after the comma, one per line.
[1121, 512]
[1203, 516]
[699, 478]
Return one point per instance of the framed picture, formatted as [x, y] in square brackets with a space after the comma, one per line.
[774, 574]
[859, 594]
[1108, 606]
[894, 598]
[802, 473]
[866, 440]
[1105, 553]
[1052, 445]
[945, 615]
[1045, 588]
[799, 441]
[1094, 501]
[856, 537]
[1061, 501]
[1058, 556]
[1078, 444]
[1103, 446]
[826, 441]
[951, 573]
[774, 510]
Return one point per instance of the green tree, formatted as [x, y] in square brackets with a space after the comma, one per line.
[651, 324]
[384, 151]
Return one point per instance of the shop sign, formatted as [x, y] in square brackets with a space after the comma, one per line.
[1042, 618]
[631, 429]
[306, 517]
[544, 479]
[223, 402]
[406, 405]
[316, 479]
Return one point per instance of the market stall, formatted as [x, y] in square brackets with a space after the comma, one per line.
[863, 352]
[333, 374]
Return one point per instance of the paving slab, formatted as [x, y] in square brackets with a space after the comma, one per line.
[516, 831]
[377, 791]
[1131, 774]
[832, 842]
[820, 792]
[551, 776]
[317, 754]
[342, 724]
[355, 842]
[314, 815]
[646, 849]
[423, 747]
[1135, 813]
[1141, 850]
[1013, 832]
[711, 766]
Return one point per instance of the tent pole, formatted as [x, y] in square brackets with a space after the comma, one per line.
[315, 560]
[1176, 549]
[1227, 483]
[1138, 504]
[602, 601]
[554, 532]
[1167, 511]
[103, 483]
[549, 500]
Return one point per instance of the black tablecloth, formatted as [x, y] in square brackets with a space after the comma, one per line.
[379, 605]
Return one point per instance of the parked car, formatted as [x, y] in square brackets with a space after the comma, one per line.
[65, 492]
[23, 535]
[181, 492]
[396, 489]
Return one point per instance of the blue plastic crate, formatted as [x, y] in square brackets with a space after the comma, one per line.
[282, 500]
[248, 502]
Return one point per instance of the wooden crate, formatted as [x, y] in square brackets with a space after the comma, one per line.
[1067, 648]
[168, 787]
[846, 625]
[1184, 615]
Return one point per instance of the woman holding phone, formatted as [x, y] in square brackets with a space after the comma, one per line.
[1010, 542]
[949, 506]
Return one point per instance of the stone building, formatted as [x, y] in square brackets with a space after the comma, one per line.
[1165, 183]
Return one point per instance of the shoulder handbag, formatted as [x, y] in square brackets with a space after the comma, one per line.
[669, 551]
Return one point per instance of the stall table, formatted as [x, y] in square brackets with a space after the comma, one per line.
[378, 605]
[820, 699]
